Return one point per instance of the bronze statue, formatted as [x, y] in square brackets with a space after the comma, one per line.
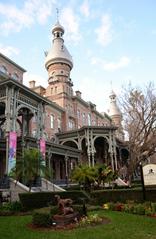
[64, 205]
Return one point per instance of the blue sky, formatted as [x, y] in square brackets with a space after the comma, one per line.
[112, 42]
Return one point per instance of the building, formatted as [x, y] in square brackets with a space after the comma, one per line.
[72, 129]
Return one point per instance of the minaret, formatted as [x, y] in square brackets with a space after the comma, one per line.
[115, 114]
[58, 63]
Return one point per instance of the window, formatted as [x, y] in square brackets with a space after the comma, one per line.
[71, 124]
[89, 119]
[3, 69]
[51, 121]
[51, 91]
[55, 89]
[78, 114]
[15, 76]
[94, 122]
[84, 118]
[59, 123]
[34, 133]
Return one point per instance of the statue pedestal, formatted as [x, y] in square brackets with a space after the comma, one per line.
[66, 219]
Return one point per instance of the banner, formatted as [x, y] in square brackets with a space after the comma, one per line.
[12, 150]
[43, 148]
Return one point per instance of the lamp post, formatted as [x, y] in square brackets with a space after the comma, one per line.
[142, 182]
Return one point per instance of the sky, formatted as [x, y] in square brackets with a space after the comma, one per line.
[112, 42]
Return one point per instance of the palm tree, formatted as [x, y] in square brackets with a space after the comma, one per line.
[105, 174]
[30, 167]
[85, 175]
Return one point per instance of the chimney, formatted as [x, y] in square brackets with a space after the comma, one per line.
[32, 84]
[78, 93]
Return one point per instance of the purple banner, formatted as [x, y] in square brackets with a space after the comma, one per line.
[12, 150]
[43, 147]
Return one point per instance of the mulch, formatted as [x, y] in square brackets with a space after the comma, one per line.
[70, 226]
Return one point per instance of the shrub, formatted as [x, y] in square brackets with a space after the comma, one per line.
[80, 209]
[89, 220]
[119, 206]
[42, 217]
[139, 209]
[129, 208]
[53, 210]
[122, 195]
[109, 206]
[11, 207]
[35, 200]
[153, 205]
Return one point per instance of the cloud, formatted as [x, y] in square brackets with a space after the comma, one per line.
[85, 8]
[14, 19]
[71, 25]
[104, 32]
[9, 50]
[111, 66]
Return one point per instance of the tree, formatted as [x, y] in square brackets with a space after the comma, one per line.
[84, 175]
[105, 174]
[87, 175]
[30, 167]
[139, 114]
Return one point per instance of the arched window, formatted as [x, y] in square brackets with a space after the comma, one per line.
[3, 69]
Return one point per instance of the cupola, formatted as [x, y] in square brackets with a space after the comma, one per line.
[58, 52]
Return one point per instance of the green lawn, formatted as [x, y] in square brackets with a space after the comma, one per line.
[123, 226]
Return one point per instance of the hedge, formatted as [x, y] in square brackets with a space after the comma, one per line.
[42, 218]
[35, 200]
[122, 195]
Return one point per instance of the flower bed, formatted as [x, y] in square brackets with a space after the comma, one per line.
[147, 208]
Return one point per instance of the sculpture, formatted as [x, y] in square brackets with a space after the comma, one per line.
[64, 205]
[66, 215]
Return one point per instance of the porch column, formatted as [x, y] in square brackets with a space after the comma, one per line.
[88, 147]
[8, 110]
[111, 150]
[66, 166]
[114, 150]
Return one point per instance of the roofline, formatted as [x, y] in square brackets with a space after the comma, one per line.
[80, 100]
[111, 127]
[7, 79]
[88, 104]
[12, 62]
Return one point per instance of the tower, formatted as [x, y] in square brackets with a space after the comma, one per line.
[116, 114]
[59, 63]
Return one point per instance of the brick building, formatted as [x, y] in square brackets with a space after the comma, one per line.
[74, 131]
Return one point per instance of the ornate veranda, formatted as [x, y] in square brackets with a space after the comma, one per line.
[98, 144]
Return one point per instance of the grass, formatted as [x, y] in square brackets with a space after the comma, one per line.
[122, 226]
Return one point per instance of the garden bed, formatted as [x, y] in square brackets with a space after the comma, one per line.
[70, 226]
